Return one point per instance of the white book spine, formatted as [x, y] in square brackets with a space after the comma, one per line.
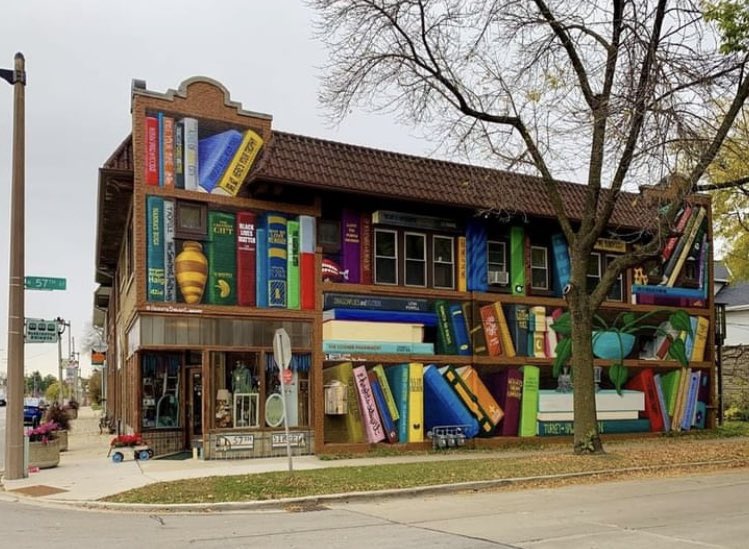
[191, 154]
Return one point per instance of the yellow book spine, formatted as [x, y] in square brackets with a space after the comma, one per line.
[700, 339]
[415, 402]
[508, 348]
[385, 385]
[680, 398]
[234, 176]
[462, 285]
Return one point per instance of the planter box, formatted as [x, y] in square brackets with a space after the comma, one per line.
[44, 455]
[72, 413]
[62, 437]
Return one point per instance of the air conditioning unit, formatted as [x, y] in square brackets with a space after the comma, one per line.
[499, 277]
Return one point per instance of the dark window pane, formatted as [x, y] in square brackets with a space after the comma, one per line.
[415, 246]
[443, 276]
[385, 271]
[384, 244]
[415, 275]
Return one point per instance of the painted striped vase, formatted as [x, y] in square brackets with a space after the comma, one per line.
[191, 270]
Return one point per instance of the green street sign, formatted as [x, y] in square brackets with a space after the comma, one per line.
[44, 283]
[38, 330]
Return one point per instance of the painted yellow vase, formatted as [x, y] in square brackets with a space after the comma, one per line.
[191, 271]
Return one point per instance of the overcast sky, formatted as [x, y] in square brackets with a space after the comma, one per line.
[81, 56]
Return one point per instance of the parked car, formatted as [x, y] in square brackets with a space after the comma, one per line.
[33, 411]
[3, 402]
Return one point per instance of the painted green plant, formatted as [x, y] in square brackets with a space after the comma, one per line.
[624, 323]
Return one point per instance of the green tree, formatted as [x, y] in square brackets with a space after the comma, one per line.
[94, 387]
[558, 88]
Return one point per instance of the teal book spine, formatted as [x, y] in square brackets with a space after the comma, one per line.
[397, 377]
[155, 248]
[460, 329]
[292, 264]
[606, 426]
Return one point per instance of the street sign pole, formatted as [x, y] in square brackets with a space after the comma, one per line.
[282, 356]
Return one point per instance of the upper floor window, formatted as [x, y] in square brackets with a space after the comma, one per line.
[386, 256]
[498, 273]
[597, 264]
[415, 259]
[443, 265]
[539, 268]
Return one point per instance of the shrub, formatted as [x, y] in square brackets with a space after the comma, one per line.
[43, 433]
[58, 415]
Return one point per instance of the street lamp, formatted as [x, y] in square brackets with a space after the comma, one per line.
[14, 462]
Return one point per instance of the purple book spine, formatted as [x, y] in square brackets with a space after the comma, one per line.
[351, 249]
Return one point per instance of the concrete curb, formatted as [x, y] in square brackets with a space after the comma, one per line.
[312, 501]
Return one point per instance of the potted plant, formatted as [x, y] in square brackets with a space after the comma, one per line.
[44, 446]
[72, 408]
[614, 340]
[59, 416]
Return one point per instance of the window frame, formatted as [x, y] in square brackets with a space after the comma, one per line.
[190, 233]
[406, 260]
[601, 262]
[505, 263]
[434, 262]
[545, 267]
[375, 256]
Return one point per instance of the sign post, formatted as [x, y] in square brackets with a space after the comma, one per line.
[282, 356]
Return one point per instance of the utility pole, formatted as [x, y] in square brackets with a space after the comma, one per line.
[14, 441]
[61, 325]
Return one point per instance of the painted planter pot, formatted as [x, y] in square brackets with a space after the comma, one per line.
[191, 271]
[612, 345]
[44, 455]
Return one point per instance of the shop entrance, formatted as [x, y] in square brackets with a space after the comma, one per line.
[194, 405]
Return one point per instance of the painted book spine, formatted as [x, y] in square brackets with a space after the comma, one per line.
[459, 329]
[687, 246]
[445, 336]
[474, 328]
[353, 301]
[415, 402]
[669, 265]
[644, 381]
[191, 153]
[160, 146]
[517, 260]
[246, 257]
[462, 280]
[377, 347]
[469, 399]
[559, 428]
[562, 265]
[662, 402]
[261, 268]
[293, 295]
[365, 223]
[691, 401]
[700, 339]
[512, 401]
[508, 347]
[168, 152]
[397, 377]
[490, 327]
[484, 397]
[351, 245]
[408, 317]
[388, 425]
[670, 387]
[367, 406]
[529, 403]
[170, 252]
[179, 154]
[518, 324]
[346, 428]
[668, 291]
[476, 261]
[362, 330]
[152, 151]
[233, 177]
[155, 247]
[277, 246]
[214, 155]
[221, 288]
[672, 240]
[307, 274]
[387, 393]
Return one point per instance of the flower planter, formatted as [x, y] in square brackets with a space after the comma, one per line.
[72, 413]
[44, 455]
[62, 437]
[612, 345]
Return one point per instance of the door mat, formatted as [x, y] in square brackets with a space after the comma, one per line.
[179, 456]
[38, 490]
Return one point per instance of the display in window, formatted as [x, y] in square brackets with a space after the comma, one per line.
[160, 391]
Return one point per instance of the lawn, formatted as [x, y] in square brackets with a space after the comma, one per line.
[722, 448]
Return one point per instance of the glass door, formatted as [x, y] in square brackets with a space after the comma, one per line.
[194, 405]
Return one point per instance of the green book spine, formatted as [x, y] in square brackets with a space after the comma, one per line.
[155, 248]
[529, 402]
[397, 376]
[517, 260]
[670, 389]
[346, 427]
[385, 386]
[445, 340]
[292, 266]
[222, 259]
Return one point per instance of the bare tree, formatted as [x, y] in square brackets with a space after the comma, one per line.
[587, 89]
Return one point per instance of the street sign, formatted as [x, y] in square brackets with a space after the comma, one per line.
[282, 348]
[38, 330]
[44, 283]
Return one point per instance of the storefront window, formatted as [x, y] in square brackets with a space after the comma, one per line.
[161, 390]
[297, 392]
[237, 384]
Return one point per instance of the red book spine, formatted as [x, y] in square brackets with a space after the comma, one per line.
[643, 381]
[673, 240]
[246, 258]
[365, 227]
[491, 330]
[307, 279]
[168, 152]
[152, 151]
[513, 394]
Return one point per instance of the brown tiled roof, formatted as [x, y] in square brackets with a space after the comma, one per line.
[331, 165]
[122, 157]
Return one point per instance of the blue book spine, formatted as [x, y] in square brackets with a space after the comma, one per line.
[155, 247]
[460, 330]
[668, 291]
[694, 385]
[334, 346]
[215, 153]
[275, 226]
[518, 323]
[477, 266]
[428, 319]
[388, 424]
[160, 117]
[261, 269]
[562, 266]
[397, 376]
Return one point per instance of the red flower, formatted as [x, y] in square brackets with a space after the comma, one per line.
[126, 440]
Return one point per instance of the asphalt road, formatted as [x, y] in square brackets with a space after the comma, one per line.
[697, 511]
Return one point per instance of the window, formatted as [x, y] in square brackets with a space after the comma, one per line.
[192, 221]
[443, 262]
[596, 266]
[329, 236]
[386, 256]
[415, 260]
[496, 253]
[539, 268]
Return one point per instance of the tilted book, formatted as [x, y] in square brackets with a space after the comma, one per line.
[387, 393]
[357, 301]
[681, 395]
[214, 155]
[292, 264]
[670, 383]
[607, 426]
[221, 288]
[469, 399]
[672, 240]
[261, 268]
[700, 339]
[346, 427]
[362, 330]
[388, 425]
[179, 154]
[307, 274]
[415, 402]
[152, 151]
[475, 328]
[246, 256]
[459, 329]
[662, 403]
[687, 246]
[517, 260]
[365, 223]
[351, 245]
[170, 253]
[397, 376]
[508, 347]
[478, 388]
[367, 406]
[190, 128]
[644, 381]
[490, 327]
[233, 177]
[477, 266]
[562, 265]
[445, 337]
[507, 388]
[443, 407]
[275, 226]
[167, 152]
[155, 248]
[669, 265]
[529, 403]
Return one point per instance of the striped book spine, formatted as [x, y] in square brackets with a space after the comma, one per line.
[388, 394]
[179, 154]
[388, 425]
[167, 153]
[476, 257]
